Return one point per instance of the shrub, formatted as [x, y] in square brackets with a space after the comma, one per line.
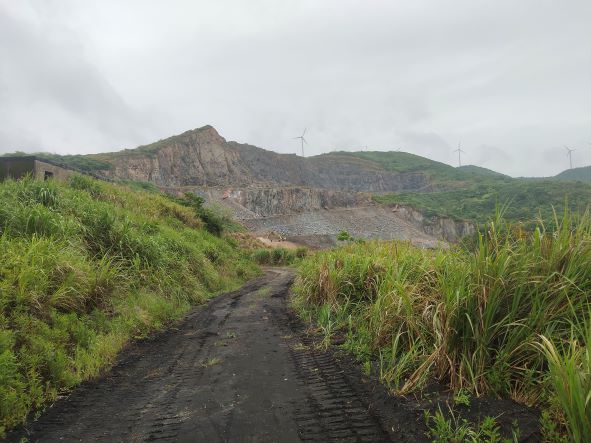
[344, 236]
[216, 221]
[277, 256]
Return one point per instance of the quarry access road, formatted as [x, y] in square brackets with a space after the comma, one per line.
[239, 369]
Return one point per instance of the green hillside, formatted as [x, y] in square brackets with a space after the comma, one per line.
[475, 193]
[481, 172]
[576, 174]
[85, 267]
[521, 200]
[440, 173]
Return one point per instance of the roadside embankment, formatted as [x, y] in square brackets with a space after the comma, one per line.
[508, 318]
[87, 266]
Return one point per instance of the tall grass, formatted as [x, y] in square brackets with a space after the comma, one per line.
[570, 377]
[469, 318]
[86, 266]
[278, 256]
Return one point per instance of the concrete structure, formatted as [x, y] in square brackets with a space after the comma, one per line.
[41, 169]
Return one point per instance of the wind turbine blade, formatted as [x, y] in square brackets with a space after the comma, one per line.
[304, 140]
[304, 133]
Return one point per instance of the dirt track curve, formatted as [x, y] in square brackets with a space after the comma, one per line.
[242, 369]
[238, 369]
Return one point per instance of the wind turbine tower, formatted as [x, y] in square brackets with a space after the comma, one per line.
[302, 139]
[460, 151]
[569, 153]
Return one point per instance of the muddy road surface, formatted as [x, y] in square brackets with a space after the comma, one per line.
[237, 369]
[243, 368]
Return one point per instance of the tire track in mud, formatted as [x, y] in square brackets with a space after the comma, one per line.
[239, 368]
[333, 411]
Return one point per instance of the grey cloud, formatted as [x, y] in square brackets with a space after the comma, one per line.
[50, 88]
[376, 74]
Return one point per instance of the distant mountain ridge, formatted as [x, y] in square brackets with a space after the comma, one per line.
[479, 170]
[201, 157]
[582, 174]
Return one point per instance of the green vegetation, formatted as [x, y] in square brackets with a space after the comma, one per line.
[139, 185]
[85, 267]
[344, 236]
[570, 376]
[576, 174]
[508, 317]
[475, 193]
[452, 429]
[85, 163]
[278, 256]
[479, 171]
[521, 200]
[216, 221]
[442, 175]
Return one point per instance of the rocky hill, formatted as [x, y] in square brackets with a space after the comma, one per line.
[202, 157]
[295, 196]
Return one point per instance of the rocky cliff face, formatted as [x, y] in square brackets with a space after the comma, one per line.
[203, 158]
[195, 158]
[281, 201]
[441, 227]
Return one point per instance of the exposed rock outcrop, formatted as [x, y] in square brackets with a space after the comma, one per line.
[202, 157]
[257, 184]
[446, 228]
[276, 201]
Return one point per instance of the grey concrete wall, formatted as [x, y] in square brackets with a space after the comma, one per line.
[58, 173]
[16, 168]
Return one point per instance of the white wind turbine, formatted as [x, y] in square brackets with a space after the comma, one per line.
[460, 151]
[569, 153]
[302, 139]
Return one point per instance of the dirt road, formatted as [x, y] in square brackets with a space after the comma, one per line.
[238, 369]
[242, 369]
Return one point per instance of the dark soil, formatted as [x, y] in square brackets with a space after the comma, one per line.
[243, 368]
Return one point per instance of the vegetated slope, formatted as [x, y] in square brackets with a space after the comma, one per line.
[479, 171]
[441, 175]
[509, 317]
[87, 266]
[576, 174]
[520, 200]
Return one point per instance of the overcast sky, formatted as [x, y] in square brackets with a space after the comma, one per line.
[510, 79]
